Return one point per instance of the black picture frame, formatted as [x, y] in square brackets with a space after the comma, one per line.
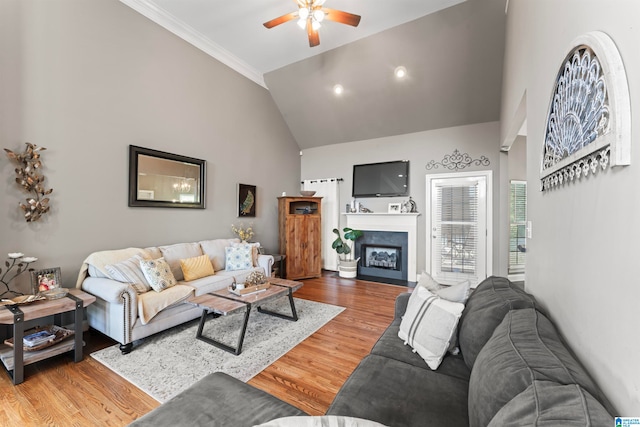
[247, 199]
[169, 189]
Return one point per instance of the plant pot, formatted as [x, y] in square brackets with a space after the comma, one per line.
[348, 268]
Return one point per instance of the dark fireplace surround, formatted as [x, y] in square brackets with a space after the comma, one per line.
[391, 263]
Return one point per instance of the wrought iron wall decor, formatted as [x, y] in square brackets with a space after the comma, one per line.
[458, 161]
[31, 180]
[588, 123]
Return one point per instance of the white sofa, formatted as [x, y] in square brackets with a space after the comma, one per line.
[117, 309]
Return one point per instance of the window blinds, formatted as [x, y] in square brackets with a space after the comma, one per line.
[517, 226]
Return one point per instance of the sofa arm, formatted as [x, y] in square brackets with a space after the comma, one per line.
[402, 301]
[266, 262]
[109, 290]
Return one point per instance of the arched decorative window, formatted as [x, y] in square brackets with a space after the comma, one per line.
[589, 118]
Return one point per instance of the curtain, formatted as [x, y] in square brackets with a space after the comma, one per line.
[327, 188]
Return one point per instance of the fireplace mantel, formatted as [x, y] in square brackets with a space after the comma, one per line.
[403, 222]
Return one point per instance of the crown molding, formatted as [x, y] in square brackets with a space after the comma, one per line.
[190, 35]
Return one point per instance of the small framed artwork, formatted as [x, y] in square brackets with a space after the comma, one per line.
[246, 200]
[395, 207]
[45, 280]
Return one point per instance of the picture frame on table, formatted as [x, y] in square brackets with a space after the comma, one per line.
[246, 200]
[45, 280]
[395, 208]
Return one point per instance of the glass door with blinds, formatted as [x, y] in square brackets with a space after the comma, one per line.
[517, 227]
[458, 228]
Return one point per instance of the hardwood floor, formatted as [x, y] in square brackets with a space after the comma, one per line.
[58, 392]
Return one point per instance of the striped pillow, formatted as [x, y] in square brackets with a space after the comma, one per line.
[196, 267]
[429, 324]
[129, 271]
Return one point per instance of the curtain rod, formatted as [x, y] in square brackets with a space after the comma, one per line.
[324, 180]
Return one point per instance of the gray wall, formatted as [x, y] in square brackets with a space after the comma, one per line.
[336, 161]
[86, 79]
[584, 245]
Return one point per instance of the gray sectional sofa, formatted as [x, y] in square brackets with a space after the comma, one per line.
[513, 369]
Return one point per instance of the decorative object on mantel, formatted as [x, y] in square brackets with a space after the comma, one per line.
[21, 263]
[457, 161]
[589, 118]
[243, 233]
[395, 208]
[363, 209]
[29, 164]
[409, 206]
[347, 266]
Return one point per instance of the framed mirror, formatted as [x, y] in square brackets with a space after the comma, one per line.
[165, 180]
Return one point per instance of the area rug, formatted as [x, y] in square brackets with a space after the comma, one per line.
[164, 364]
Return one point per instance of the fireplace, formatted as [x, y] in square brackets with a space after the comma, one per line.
[382, 256]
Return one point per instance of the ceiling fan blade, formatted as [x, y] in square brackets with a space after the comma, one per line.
[281, 19]
[341, 17]
[314, 37]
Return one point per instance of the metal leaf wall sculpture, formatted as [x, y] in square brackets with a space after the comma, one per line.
[29, 178]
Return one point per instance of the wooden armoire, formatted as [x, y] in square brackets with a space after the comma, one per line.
[300, 236]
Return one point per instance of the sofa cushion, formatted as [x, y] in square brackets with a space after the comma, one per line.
[218, 400]
[321, 421]
[174, 253]
[196, 267]
[428, 325]
[400, 395]
[215, 251]
[389, 345]
[158, 274]
[129, 271]
[545, 403]
[238, 258]
[524, 347]
[485, 309]
[208, 284]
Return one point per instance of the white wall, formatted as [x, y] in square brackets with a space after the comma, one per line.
[580, 261]
[87, 78]
[419, 148]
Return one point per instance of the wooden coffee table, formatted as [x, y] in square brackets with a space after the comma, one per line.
[224, 302]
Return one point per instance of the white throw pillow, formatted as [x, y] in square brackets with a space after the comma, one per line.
[158, 274]
[455, 293]
[429, 325]
[238, 258]
[129, 271]
[427, 282]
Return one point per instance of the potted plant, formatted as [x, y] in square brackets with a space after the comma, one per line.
[347, 266]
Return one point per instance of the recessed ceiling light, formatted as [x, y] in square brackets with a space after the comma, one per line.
[338, 89]
[400, 72]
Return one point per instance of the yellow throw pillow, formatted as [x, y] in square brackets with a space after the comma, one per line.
[196, 267]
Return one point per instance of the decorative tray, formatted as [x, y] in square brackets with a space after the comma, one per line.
[59, 332]
[22, 299]
[250, 289]
[55, 293]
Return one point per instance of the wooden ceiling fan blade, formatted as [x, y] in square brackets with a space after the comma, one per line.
[314, 37]
[281, 19]
[341, 17]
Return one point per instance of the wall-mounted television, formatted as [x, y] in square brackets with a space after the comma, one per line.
[387, 179]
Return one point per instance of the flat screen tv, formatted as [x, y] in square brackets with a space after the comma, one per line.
[386, 179]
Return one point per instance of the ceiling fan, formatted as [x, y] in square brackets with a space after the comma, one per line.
[310, 14]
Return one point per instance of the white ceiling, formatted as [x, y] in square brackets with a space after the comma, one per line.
[232, 30]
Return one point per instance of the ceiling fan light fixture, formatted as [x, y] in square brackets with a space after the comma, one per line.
[315, 25]
[302, 23]
[303, 13]
[400, 72]
[318, 15]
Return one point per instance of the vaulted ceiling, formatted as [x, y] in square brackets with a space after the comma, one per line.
[452, 50]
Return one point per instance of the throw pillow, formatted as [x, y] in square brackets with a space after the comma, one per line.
[158, 274]
[455, 293]
[196, 267]
[429, 324]
[254, 251]
[238, 258]
[129, 271]
[427, 282]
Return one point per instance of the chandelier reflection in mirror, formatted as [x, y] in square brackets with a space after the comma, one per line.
[588, 124]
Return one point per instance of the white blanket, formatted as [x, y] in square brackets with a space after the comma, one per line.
[100, 259]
